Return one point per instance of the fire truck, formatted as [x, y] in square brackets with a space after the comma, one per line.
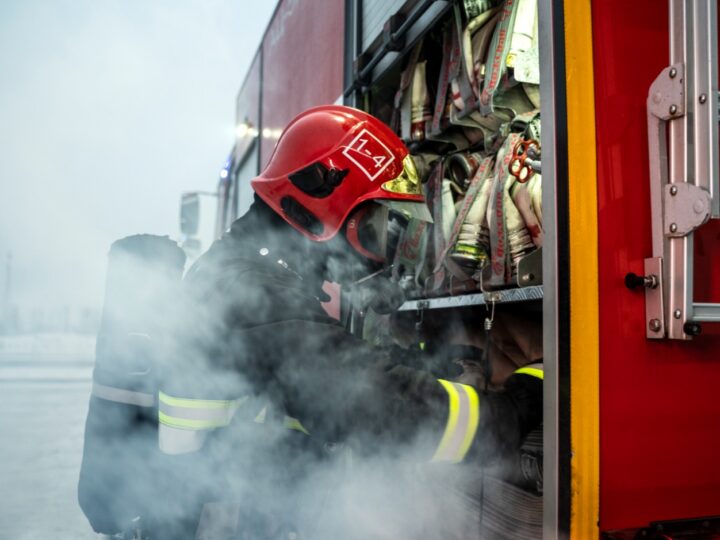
[625, 278]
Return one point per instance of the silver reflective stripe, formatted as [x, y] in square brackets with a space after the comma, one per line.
[120, 395]
[462, 423]
[174, 441]
[219, 415]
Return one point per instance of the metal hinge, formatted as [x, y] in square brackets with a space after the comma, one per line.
[686, 207]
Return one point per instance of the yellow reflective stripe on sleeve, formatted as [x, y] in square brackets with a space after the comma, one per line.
[462, 423]
[533, 372]
[294, 423]
[197, 403]
[197, 413]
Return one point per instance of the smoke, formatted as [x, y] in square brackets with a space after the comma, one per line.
[111, 111]
[246, 328]
[108, 111]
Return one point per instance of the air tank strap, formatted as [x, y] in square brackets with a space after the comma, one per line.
[122, 395]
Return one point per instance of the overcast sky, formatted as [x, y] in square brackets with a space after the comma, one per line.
[109, 109]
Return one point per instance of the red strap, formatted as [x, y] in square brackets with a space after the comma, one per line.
[499, 47]
[470, 196]
[463, 78]
[435, 188]
[500, 268]
[447, 70]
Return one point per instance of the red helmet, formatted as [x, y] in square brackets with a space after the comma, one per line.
[329, 160]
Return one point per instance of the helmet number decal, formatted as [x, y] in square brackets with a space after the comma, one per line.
[369, 154]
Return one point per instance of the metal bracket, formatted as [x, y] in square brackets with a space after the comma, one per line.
[527, 67]
[492, 297]
[529, 269]
[665, 103]
[686, 208]
[666, 98]
[654, 301]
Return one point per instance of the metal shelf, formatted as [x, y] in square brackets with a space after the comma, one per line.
[525, 294]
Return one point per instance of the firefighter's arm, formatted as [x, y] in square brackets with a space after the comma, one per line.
[340, 388]
[462, 423]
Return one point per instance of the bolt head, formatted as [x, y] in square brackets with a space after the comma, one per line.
[673, 227]
[677, 313]
[673, 109]
[673, 73]
[673, 190]
[264, 251]
[703, 98]
[654, 325]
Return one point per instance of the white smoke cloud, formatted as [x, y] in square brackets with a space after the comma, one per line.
[363, 472]
[108, 111]
[114, 109]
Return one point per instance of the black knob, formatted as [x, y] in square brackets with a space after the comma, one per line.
[632, 281]
[692, 328]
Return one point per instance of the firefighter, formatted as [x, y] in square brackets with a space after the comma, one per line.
[261, 377]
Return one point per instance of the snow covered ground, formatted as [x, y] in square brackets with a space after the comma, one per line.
[44, 392]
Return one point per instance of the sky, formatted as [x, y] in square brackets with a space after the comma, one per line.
[109, 110]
